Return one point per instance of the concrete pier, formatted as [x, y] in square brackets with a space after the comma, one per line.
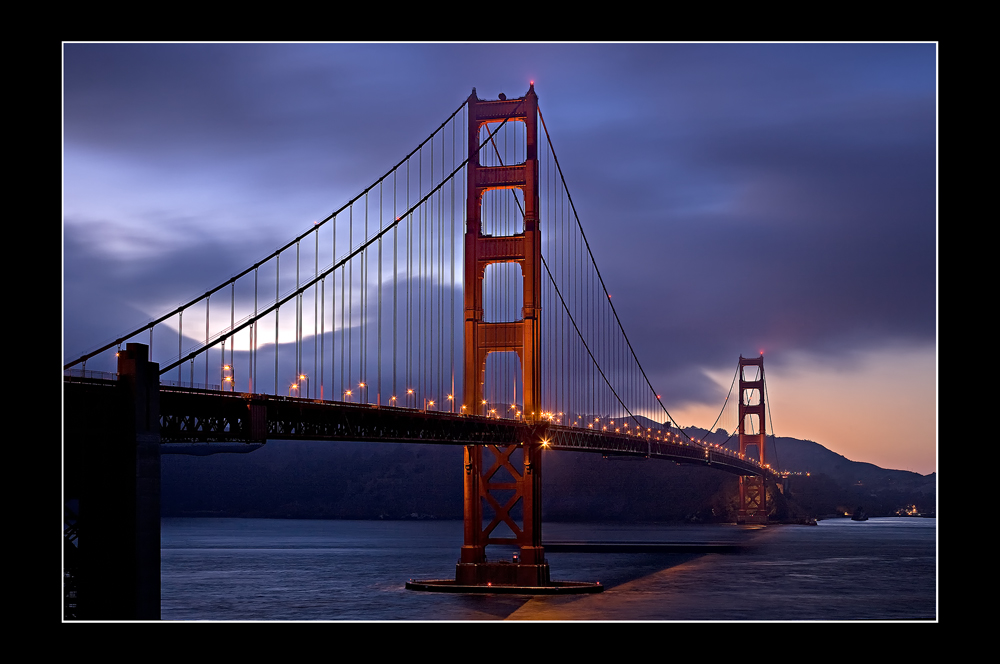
[111, 443]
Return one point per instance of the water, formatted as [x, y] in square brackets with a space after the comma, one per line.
[269, 569]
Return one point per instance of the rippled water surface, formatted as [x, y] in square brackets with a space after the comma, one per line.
[271, 569]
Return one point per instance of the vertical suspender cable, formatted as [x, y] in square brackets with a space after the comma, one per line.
[316, 297]
[409, 285]
[180, 337]
[277, 296]
[451, 326]
[378, 375]
[232, 324]
[322, 337]
[253, 337]
[350, 306]
[420, 281]
[395, 266]
[439, 285]
[298, 323]
[252, 362]
[364, 310]
[343, 330]
[207, 300]
[365, 327]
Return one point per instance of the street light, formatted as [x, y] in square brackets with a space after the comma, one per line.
[231, 378]
[293, 386]
[305, 378]
[362, 386]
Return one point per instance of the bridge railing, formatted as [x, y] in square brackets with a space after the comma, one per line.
[197, 386]
[83, 374]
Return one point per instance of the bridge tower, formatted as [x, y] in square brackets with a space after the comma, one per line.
[112, 467]
[753, 491]
[505, 479]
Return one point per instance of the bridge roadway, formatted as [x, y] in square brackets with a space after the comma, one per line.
[190, 418]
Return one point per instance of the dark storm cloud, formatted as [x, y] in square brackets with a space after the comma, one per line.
[806, 221]
[106, 296]
[277, 115]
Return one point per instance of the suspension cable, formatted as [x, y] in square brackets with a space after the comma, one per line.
[774, 436]
[361, 248]
[724, 404]
[151, 324]
[601, 279]
[613, 391]
[565, 306]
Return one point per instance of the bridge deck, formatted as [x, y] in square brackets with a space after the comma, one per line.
[190, 415]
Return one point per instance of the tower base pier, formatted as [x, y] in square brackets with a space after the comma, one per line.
[502, 573]
[504, 578]
[112, 485]
[554, 588]
[751, 519]
[527, 575]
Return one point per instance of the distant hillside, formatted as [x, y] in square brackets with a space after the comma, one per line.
[824, 482]
[293, 479]
[317, 480]
[792, 454]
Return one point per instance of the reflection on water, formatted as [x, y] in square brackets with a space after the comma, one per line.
[260, 569]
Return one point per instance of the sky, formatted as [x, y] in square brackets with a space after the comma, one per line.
[775, 198]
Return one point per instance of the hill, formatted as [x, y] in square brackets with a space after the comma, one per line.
[294, 479]
[822, 482]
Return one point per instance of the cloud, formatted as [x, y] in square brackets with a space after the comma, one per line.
[736, 197]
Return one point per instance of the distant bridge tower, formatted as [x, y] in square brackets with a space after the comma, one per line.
[514, 468]
[753, 491]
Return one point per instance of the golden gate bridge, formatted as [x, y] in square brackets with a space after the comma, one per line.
[400, 317]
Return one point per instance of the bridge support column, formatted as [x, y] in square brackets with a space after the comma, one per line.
[482, 249]
[112, 464]
[503, 478]
[753, 506]
[505, 488]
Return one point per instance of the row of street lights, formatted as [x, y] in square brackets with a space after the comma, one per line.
[348, 393]
[229, 378]
[428, 403]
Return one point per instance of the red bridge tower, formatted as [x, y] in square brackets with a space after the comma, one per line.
[516, 467]
[753, 491]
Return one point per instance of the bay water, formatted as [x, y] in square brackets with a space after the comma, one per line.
[332, 570]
